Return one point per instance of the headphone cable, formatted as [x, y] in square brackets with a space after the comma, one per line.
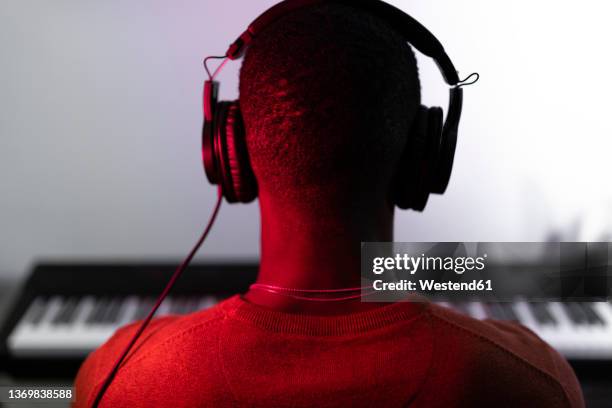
[212, 76]
[177, 274]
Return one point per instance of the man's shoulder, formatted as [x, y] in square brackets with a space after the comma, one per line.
[505, 338]
[167, 341]
[506, 357]
[161, 333]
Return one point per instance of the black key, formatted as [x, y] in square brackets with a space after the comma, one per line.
[90, 317]
[541, 313]
[177, 306]
[111, 314]
[104, 310]
[193, 305]
[74, 315]
[98, 311]
[207, 302]
[575, 313]
[67, 313]
[36, 311]
[104, 306]
[461, 307]
[118, 317]
[495, 311]
[509, 312]
[189, 305]
[144, 307]
[592, 316]
[183, 306]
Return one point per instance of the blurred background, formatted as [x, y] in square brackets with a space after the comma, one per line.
[100, 120]
[100, 114]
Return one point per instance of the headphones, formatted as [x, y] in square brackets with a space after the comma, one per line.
[427, 161]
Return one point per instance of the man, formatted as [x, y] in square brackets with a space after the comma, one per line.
[328, 95]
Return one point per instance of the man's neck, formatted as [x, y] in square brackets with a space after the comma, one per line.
[315, 253]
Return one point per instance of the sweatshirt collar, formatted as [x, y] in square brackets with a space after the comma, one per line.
[354, 323]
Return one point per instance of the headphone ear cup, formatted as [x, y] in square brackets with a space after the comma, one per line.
[239, 184]
[209, 132]
[420, 156]
[408, 181]
[435, 124]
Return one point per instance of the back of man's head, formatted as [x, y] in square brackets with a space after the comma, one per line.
[328, 94]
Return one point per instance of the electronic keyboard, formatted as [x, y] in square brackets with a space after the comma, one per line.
[65, 311]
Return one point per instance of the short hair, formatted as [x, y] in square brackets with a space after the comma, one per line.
[328, 95]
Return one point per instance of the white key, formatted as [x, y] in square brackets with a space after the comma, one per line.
[477, 310]
[444, 304]
[521, 308]
[207, 302]
[129, 309]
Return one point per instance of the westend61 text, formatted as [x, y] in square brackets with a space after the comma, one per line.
[430, 285]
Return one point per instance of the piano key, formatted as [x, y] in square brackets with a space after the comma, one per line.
[575, 313]
[36, 311]
[97, 313]
[164, 308]
[67, 311]
[445, 304]
[461, 307]
[477, 310]
[178, 306]
[111, 314]
[128, 308]
[146, 304]
[591, 314]
[495, 311]
[83, 311]
[498, 310]
[604, 311]
[185, 306]
[144, 307]
[541, 313]
[53, 307]
[94, 311]
[207, 302]
[525, 314]
[193, 305]
[509, 311]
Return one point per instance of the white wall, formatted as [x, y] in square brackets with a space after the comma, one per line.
[100, 115]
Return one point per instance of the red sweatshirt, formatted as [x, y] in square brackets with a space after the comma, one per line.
[405, 354]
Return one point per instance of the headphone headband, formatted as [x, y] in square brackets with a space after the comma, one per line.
[413, 32]
[444, 141]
